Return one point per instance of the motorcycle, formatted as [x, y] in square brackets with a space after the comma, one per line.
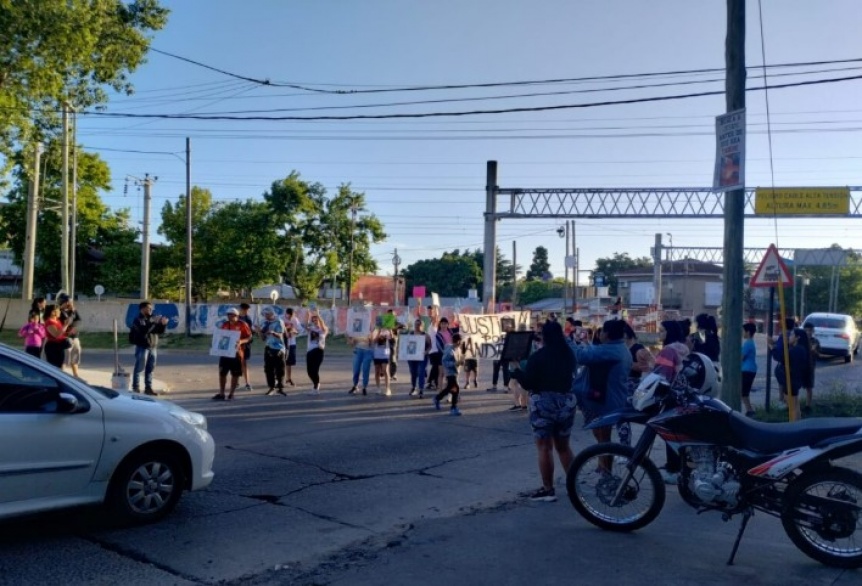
[730, 464]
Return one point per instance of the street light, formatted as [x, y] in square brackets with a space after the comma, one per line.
[396, 260]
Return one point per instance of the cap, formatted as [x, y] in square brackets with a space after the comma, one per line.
[233, 311]
[268, 311]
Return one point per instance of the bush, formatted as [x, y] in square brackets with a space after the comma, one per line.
[836, 401]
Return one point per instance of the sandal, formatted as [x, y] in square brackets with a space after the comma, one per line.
[218, 397]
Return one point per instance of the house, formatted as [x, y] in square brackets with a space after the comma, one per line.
[376, 290]
[690, 286]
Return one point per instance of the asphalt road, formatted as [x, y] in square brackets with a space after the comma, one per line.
[338, 489]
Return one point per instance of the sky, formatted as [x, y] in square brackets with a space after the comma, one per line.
[425, 178]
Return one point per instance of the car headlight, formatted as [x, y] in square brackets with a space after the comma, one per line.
[193, 419]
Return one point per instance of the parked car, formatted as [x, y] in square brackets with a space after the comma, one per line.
[836, 333]
[64, 443]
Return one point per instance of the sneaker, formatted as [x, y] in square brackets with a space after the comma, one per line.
[669, 477]
[290, 382]
[270, 391]
[149, 391]
[437, 403]
[421, 395]
[281, 392]
[454, 411]
[352, 391]
[219, 397]
[523, 407]
[387, 392]
[364, 390]
[412, 392]
[491, 390]
[515, 408]
[545, 495]
[248, 387]
[393, 378]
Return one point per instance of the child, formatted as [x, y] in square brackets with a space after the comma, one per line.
[471, 364]
[34, 335]
[452, 360]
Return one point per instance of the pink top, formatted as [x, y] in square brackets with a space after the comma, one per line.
[33, 333]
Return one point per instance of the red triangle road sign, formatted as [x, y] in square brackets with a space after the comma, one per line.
[772, 271]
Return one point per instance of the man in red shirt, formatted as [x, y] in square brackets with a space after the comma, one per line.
[232, 365]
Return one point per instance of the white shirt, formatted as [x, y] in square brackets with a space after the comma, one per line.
[297, 329]
[316, 338]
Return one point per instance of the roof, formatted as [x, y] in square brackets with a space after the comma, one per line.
[682, 266]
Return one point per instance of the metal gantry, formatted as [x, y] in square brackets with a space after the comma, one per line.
[639, 203]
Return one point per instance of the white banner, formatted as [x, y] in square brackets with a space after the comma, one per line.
[729, 151]
[487, 331]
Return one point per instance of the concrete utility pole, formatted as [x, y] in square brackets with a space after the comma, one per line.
[64, 206]
[734, 218]
[352, 245]
[574, 269]
[396, 261]
[656, 273]
[147, 183]
[188, 237]
[566, 273]
[73, 228]
[514, 274]
[30, 237]
[489, 270]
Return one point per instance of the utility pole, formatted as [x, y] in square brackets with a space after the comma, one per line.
[188, 237]
[396, 260]
[656, 275]
[489, 270]
[64, 211]
[574, 269]
[734, 218]
[566, 273]
[73, 248]
[514, 274]
[147, 183]
[30, 237]
[352, 244]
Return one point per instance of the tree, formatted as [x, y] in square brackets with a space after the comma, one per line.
[452, 275]
[319, 233]
[532, 291]
[817, 293]
[168, 262]
[540, 267]
[503, 270]
[610, 266]
[99, 229]
[56, 51]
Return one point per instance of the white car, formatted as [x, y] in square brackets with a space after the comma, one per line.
[64, 443]
[836, 334]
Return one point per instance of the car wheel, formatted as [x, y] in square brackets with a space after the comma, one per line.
[145, 487]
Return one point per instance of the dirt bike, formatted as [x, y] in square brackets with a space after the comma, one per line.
[730, 464]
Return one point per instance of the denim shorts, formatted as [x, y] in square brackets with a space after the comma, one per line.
[552, 414]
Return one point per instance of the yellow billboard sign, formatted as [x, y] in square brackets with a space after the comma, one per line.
[805, 201]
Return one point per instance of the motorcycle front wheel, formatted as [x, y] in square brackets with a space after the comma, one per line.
[823, 516]
[610, 492]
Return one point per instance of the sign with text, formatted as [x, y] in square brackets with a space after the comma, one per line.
[805, 201]
[729, 151]
[772, 271]
[488, 331]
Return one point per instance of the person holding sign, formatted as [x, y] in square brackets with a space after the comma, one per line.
[317, 332]
[381, 349]
[417, 367]
[363, 356]
[272, 333]
[232, 365]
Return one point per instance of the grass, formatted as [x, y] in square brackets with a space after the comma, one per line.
[837, 400]
[198, 343]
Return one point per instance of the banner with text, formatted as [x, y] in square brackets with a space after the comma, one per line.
[486, 332]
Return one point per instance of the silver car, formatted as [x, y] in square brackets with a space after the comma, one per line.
[836, 334]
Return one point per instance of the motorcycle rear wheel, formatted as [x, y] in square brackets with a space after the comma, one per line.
[823, 516]
[596, 491]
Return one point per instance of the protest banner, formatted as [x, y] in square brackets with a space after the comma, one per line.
[487, 331]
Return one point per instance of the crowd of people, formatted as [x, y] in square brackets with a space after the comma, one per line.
[568, 366]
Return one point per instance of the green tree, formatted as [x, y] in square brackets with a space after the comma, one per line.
[610, 266]
[99, 229]
[452, 275]
[849, 279]
[532, 291]
[503, 271]
[168, 262]
[319, 232]
[540, 265]
[55, 51]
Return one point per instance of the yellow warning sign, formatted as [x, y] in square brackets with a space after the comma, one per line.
[805, 201]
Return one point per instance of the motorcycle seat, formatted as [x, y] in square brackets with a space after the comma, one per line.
[770, 438]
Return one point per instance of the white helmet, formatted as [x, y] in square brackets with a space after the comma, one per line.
[700, 372]
[644, 395]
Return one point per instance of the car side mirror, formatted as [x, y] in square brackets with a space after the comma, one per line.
[67, 403]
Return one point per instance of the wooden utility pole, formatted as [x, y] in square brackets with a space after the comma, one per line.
[734, 220]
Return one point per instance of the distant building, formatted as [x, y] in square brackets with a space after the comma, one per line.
[376, 290]
[10, 273]
[690, 286]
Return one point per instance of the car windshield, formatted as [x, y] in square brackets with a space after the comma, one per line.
[14, 368]
[835, 323]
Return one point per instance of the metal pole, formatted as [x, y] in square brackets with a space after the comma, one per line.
[396, 260]
[352, 245]
[30, 237]
[835, 305]
[566, 274]
[188, 237]
[734, 218]
[574, 270]
[514, 274]
[489, 270]
[769, 332]
[73, 248]
[656, 275]
[64, 206]
[145, 245]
